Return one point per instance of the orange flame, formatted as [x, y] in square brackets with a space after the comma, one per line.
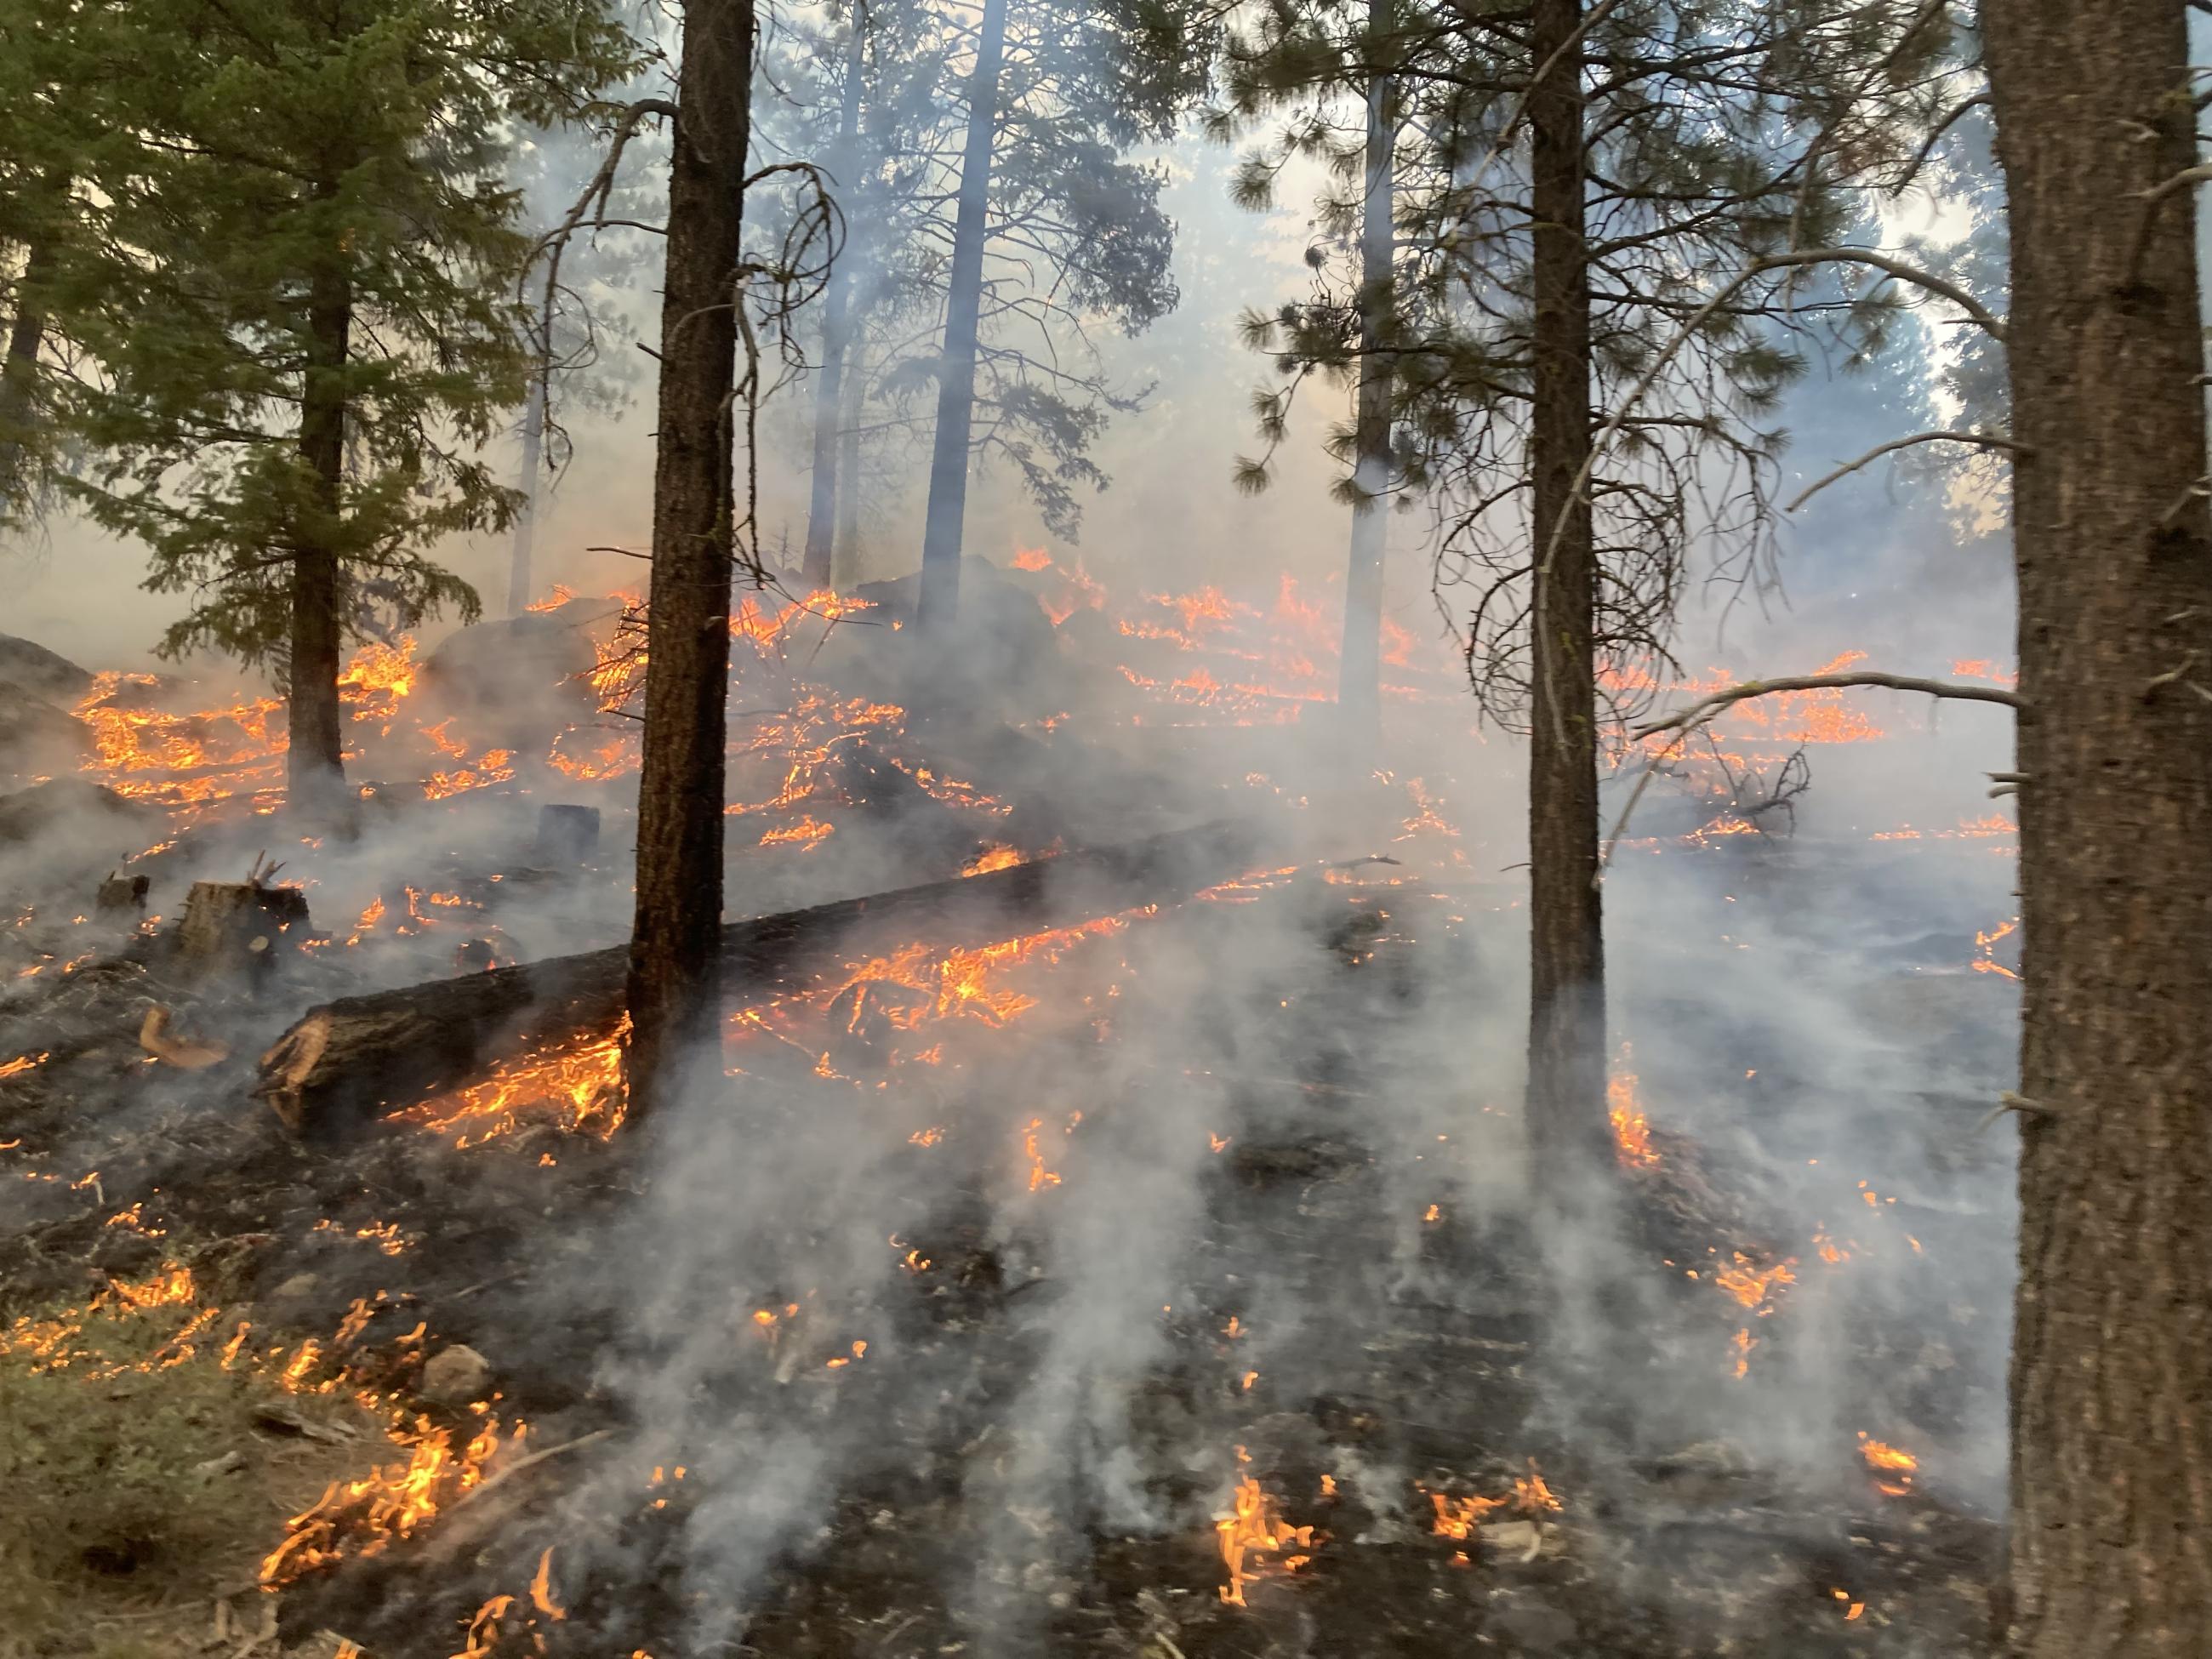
[1631, 1129]
[1255, 1526]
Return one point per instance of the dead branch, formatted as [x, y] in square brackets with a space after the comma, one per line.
[535, 1458]
[2182, 180]
[1873, 258]
[2010, 1101]
[1686, 719]
[1986, 439]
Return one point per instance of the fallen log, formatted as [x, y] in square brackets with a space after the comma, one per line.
[361, 1057]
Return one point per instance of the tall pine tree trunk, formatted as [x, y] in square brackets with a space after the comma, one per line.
[675, 982]
[2111, 1370]
[1566, 1122]
[836, 304]
[519, 575]
[943, 526]
[847, 557]
[314, 766]
[1359, 689]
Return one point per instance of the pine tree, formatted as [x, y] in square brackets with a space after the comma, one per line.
[299, 293]
[819, 562]
[48, 141]
[1533, 284]
[1053, 233]
[675, 970]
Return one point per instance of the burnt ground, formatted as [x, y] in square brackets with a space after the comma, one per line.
[1354, 1311]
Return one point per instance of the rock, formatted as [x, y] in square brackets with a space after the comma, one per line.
[457, 1376]
[62, 836]
[44, 673]
[1536, 1627]
[1001, 657]
[81, 809]
[36, 738]
[516, 683]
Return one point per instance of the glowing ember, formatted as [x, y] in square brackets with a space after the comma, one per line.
[582, 1080]
[1752, 1285]
[806, 834]
[1458, 1517]
[1893, 1467]
[1985, 944]
[997, 856]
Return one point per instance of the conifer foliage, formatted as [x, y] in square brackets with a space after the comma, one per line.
[289, 275]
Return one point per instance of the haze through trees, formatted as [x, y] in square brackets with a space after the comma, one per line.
[1560, 181]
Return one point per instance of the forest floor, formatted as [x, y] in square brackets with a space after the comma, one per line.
[1378, 1417]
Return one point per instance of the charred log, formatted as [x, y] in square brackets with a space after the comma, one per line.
[352, 1059]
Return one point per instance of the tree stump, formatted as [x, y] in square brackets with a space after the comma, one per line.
[121, 894]
[566, 834]
[235, 924]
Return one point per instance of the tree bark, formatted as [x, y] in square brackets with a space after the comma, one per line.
[674, 988]
[847, 558]
[1566, 1106]
[820, 558]
[314, 762]
[518, 577]
[946, 520]
[1360, 673]
[2111, 1551]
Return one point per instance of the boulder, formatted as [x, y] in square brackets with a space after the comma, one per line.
[44, 673]
[37, 738]
[456, 1376]
[85, 813]
[515, 684]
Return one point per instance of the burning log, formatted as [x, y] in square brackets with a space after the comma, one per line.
[354, 1059]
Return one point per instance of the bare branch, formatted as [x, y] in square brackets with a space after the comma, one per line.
[1685, 721]
[2182, 180]
[1698, 714]
[1726, 293]
[1986, 439]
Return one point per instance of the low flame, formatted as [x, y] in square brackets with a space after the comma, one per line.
[1893, 1467]
[1256, 1528]
[1631, 1129]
